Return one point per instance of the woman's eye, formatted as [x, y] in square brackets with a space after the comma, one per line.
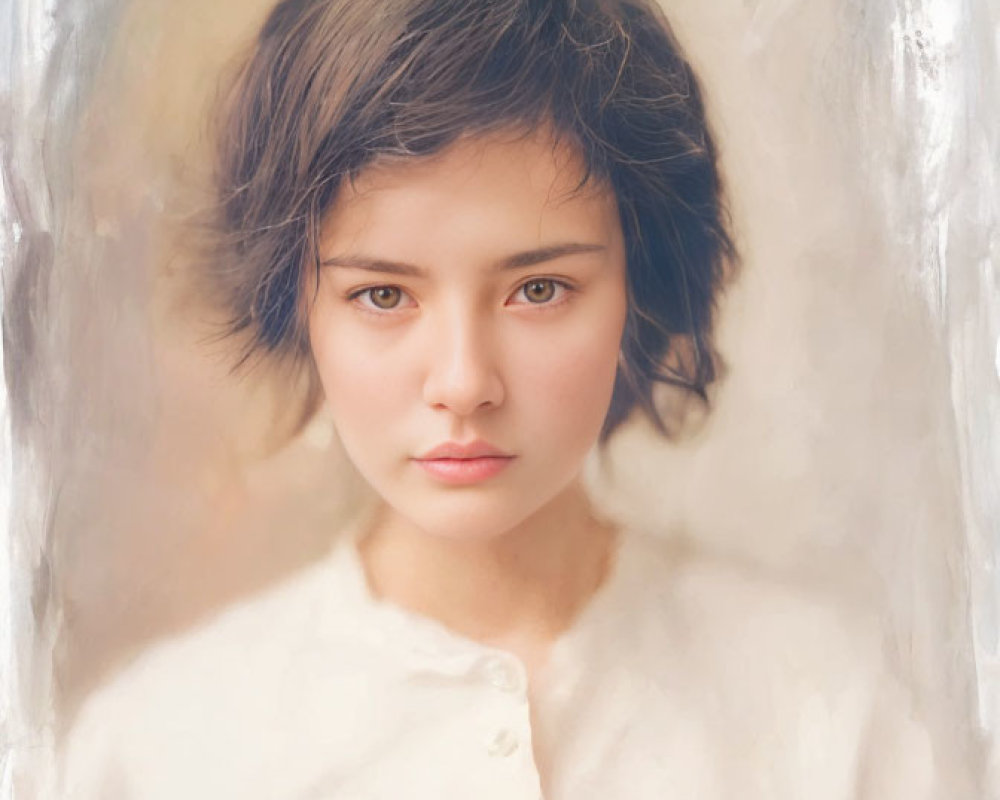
[380, 298]
[540, 291]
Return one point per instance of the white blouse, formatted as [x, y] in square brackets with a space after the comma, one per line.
[683, 678]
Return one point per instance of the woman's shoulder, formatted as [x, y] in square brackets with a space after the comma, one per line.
[748, 638]
[299, 609]
[222, 687]
[795, 666]
[724, 599]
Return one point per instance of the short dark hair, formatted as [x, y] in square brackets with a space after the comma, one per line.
[330, 86]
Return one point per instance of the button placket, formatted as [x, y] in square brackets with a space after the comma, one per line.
[503, 674]
[504, 744]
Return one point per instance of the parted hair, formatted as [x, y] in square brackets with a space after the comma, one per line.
[331, 86]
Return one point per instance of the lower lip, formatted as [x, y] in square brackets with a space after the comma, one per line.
[463, 471]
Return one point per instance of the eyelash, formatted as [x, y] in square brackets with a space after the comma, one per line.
[356, 295]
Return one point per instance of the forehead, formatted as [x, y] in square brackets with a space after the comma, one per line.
[527, 185]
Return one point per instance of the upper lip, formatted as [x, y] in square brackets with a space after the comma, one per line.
[473, 449]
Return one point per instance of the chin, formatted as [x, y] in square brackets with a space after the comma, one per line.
[465, 525]
[467, 518]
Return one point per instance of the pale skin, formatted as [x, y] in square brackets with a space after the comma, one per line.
[476, 294]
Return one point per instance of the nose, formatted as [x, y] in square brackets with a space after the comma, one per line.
[462, 374]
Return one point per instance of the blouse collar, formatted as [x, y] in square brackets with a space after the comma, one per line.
[422, 640]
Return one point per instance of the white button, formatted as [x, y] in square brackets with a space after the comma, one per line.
[502, 675]
[504, 744]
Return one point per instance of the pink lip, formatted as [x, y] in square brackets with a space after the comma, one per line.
[461, 464]
[464, 471]
[474, 449]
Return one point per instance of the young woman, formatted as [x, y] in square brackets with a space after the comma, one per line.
[490, 228]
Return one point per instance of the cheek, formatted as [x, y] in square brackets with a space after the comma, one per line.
[571, 384]
[354, 381]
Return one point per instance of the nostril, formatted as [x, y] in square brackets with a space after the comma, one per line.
[464, 384]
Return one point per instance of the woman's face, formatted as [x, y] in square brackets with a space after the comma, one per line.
[472, 297]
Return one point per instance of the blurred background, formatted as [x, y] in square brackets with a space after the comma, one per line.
[854, 442]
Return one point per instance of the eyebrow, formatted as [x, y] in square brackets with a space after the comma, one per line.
[526, 259]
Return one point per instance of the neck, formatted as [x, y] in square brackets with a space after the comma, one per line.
[525, 586]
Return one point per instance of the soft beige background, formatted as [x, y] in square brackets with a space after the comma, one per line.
[830, 455]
